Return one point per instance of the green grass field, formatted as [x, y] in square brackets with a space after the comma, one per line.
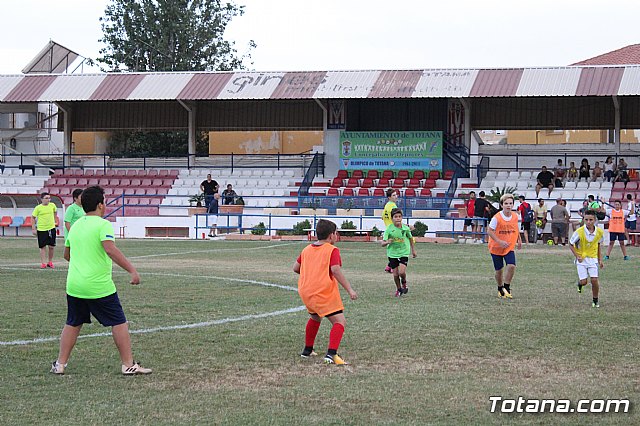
[434, 356]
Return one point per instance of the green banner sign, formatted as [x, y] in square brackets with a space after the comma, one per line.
[391, 150]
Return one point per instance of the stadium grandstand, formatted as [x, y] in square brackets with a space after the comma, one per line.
[310, 144]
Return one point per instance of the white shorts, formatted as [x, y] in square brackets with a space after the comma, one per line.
[587, 268]
[212, 220]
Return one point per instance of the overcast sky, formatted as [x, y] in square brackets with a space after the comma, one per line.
[298, 35]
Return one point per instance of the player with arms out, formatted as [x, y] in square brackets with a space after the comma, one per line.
[399, 243]
[90, 250]
[585, 244]
[320, 269]
[504, 235]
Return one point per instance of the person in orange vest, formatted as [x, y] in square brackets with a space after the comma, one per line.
[504, 235]
[320, 269]
[616, 229]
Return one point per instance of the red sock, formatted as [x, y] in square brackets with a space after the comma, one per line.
[311, 332]
[335, 336]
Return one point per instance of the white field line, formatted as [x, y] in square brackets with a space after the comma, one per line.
[164, 328]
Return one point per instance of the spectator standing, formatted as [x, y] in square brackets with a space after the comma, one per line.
[469, 204]
[44, 227]
[540, 211]
[630, 224]
[597, 172]
[559, 174]
[527, 216]
[559, 219]
[209, 187]
[616, 229]
[545, 180]
[480, 210]
[73, 212]
[609, 168]
[585, 170]
[229, 195]
[212, 216]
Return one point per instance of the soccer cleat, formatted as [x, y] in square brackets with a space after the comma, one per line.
[306, 353]
[595, 304]
[388, 269]
[606, 258]
[57, 368]
[507, 295]
[501, 296]
[43, 266]
[580, 287]
[50, 265]
[334, 359]
[136, 368]
[398, 293]
[404, 289]
[626, 258]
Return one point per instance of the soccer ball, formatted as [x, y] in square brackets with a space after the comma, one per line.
[539, 223]
[549, 242]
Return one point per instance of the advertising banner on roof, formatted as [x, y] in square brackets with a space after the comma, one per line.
[391, 150]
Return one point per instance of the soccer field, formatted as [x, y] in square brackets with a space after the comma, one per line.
[222, 326]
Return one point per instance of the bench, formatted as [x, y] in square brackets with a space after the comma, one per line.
[311, 232]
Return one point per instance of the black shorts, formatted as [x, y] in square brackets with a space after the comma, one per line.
[395, 262]
[468, 222]
[107, 310]
[47, 238]
[613, 236]
[526, 226]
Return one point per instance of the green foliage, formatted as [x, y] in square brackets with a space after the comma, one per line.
[259, 229]
[299, 228]
[375, 232]
[163, 35]
[419, 229]
[497, 192]
[239, 202]
[197, 198]
[347, 224]
[159, 144]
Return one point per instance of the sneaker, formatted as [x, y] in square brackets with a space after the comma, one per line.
[580, 287]
[606, 258]
[50, 265]
[334, 359]
[398, 293]
[43, 266]
[507, 295]
[404, 289]
[136, 368]
[388, 269]
[595, 305]
[626, 258]
[57, 368]
[501, 296]
[307, 354]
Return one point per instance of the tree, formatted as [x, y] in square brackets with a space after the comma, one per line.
[169, 35]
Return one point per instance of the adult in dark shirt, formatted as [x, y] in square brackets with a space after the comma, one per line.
[545, 180]
[585, 170]
[480, 210]
[229, 195]
[209, 187]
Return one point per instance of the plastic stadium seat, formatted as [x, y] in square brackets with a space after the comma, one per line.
[413, 183]
[83, 182]
[357, 174]
[372, 174]
[28, 222]
[419, 174]
[347, 192]
[5, 222]
[135, 182]
[398, 183]
[121, 172]
[363, 192]
[367, 183]
[632, 186]
[140, 191]
[448, 174]
[378, 192]
[17, 222]
[387, 174]
[93, 182]
[403, 174]
[433, 174]
[337, 182]
[152, 191]
[332, 192]
[425, 192]
[352, 182]
[131, 173]
[410, 192]
[164, 173]
[429, 183]
[152, 172]
[146, 182]
[383, 183]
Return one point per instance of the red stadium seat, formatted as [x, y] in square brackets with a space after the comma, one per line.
[352, 182]
[357, 174]
[632, 186]
[342, 174]
[337, 182]
[425, 192]
[347, 192]
[82, 182]
[367, 183]
[429, 183]
[132, 173]
[383, 183]
[448, 174]
[410, 192]
[398, 183]
[418, 174]
[332, 192]
[434, 174]
[363, 192]
[152, 173]
[372, 174]
[388, 174]
[413, 183]
[378, 192]
[28, 222]
[135, 182]
[403, 174]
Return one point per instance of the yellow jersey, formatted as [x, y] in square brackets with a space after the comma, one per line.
[583, 246]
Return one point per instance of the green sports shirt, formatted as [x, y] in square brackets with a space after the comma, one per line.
[46, 216]
[71, 215]
[90, 267]
[401, 245]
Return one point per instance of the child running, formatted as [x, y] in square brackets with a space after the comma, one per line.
[320, 269]
[392, 197]
[399, 243]
[504, 234]
[90, 250]
[617, 218]
[585, 245]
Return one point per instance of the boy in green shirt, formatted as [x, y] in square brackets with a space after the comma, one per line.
[73, 212]
[90, 250]
[44, 227]
[399, 242]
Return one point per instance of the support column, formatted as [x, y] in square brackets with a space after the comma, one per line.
[192, 122]
[616, 129]
[67, 124]
[466, 103]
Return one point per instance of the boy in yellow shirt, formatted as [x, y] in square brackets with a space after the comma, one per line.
[585, 245]
[44, 227]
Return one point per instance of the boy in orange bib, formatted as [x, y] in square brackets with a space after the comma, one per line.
[320, 269]
[504, 235]
[617, 218]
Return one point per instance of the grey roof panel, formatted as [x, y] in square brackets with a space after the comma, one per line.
[445, 83]
[73, 87]
[160, 86]
[549, 82]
